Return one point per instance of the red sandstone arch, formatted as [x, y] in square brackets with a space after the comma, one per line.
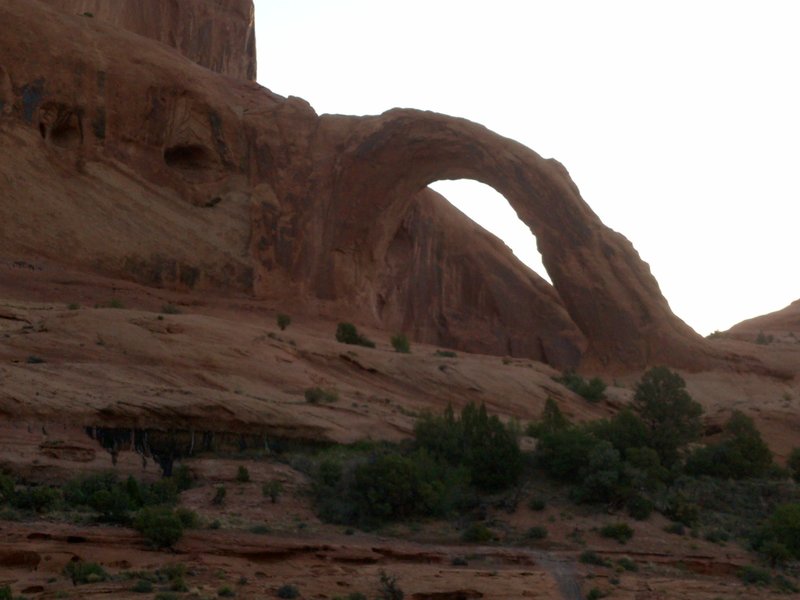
[607, 289]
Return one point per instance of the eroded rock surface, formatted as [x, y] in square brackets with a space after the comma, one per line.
[218, 34]
[123, 158]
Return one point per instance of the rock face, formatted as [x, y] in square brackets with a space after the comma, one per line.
[218, 34]
[121, 157]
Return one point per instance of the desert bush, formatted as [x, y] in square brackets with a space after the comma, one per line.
[226, 592]
[388, 589]
[536, 504]
[81, 572]
[794, 464]
[400, 343]
[347, 333]
[552, 420]
[627, 564]
[7, 486]
[272, 489]
[170, 309]
[592, 390]
[752, 575]
[40, 498]
[316, 395]
[160, 526]
[288, 591]
[143, 586]
[595, 594]
[671, 416]
[283, 321]
[477, 533]
[242, 474]
[564, 453]
[741, 453]
[590, 557]
[622, 532]
[445, 354]
[479, 442]
[783, 526]
[624, 431]
[639, 507]
[536, 533]
[219, 495]
[183, 478]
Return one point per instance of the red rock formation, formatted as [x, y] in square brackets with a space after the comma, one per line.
[218, 34]
[124, 158]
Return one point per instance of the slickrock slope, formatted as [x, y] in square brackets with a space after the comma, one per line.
[122, 158]
[784, 323]
[218, 34]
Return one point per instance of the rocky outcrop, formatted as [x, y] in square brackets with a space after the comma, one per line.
[218, 34]
[151, 168]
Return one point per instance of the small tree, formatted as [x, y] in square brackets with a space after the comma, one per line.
[283, 321]
[347, 333]
[159, 525]
[552, 419]
[670, 414]
[400, 343]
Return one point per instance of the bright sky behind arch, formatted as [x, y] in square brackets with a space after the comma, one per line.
[679, 121]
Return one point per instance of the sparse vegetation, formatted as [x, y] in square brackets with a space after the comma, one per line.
[283, 321]
[316, 395]
[242, 474]
[347, 333]
[219, 495]
[622, 532]
[80, 572]
[159, 525]
[400, 343]
[388, 588]
[170, 309]
[272, 489]
[477, 533]
[793, 463]
[445, 354]
[288, 591]
[592, 390]
[536, 533]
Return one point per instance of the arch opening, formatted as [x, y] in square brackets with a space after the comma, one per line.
[491, 210]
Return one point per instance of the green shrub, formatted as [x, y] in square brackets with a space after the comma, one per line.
[754, 575]
[183, 478]
[639, 507]
[675, 528]
[7, 486]
[115, 303]
[481, 443]
[445, 354]
[73, 306]
[592, 390]
[160, 526]
[794, 464]
[81, 572]
[595, 594]
[170, 309]
[400, 343]
[590, 557]
[741, 453]
[564, 453]
[283, 321]
[5, 593]
[627, 564]
[163, 492]
[347, 333]
[536, 533]
[288, 591]
[260, 529]
[388, 589]
[166, 596]
[272, 490]
[552, 420]
[536, 504]
[622, 532]
[188, 518]
[783, 526]
[316, 395]
[670, 414]
[476, 533]
[242, 474]
[142, 587]
[35, 360]
[40, 498]
[225, 592]
[219, 495]
[679, 509]
[624, 431]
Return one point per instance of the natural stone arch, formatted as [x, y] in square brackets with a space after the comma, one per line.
[607, 289]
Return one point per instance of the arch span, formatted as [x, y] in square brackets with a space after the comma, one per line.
[608, 291]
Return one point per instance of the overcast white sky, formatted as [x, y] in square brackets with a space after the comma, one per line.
[679, 121]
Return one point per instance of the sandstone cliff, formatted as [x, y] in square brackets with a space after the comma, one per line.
[120, 157]
[218, 34]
